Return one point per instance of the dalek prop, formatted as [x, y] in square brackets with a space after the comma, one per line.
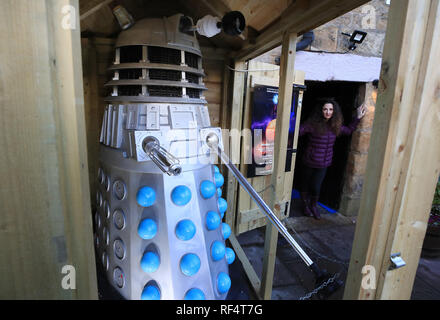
[158, 225]
[159, 231]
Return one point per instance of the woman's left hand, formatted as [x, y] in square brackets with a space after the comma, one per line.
[361, 111]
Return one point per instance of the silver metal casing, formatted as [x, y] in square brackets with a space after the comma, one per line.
[157, 91]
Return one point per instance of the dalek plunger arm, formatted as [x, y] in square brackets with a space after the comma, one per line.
[322, 276]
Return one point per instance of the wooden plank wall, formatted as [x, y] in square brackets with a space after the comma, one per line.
[249, 216]
[214, 65]
[98, 55]
[232, 116]
[247, 210]
[46, 222]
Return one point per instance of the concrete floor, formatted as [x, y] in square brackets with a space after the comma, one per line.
[328, 242]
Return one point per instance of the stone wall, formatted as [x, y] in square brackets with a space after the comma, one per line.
[357, 159]
[371, 18]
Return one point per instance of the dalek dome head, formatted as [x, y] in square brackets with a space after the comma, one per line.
[157, 60]
[168, 32]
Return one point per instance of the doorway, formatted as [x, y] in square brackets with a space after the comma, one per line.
[346, 94]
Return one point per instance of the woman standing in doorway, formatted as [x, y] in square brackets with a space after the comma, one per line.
[322, 129]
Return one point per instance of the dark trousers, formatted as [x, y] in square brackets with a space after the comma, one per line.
[311, 179]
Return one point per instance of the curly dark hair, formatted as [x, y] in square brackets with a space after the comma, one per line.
[317, 121]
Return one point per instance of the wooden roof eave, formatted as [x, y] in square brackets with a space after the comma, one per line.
[300, 17]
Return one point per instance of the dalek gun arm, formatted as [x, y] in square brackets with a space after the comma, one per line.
[213, 143]
[166, 162]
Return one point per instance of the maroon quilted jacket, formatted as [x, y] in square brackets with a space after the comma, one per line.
[319, 150]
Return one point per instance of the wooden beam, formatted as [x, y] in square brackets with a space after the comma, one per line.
[211, 53]
[287, 74]
[300, 17]
[259, 14]
[46, 216]
[288, 182]
[93, 9]
[269, 258]
[233, 144]
[225, 96]
[217, 7]
[245, 203]
[404, 158]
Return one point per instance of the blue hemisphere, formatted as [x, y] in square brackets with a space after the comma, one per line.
[190, 264]
[219, 180]
[226, 230]
[223, 282]
[147, 229]
[194, 294]
[150, 292]
[181, 195]
[146, 196]
[213, 220]
[185, 230]
[218, 250]
[150, 262]
[230, 255]
[222, 206]
[207, 189]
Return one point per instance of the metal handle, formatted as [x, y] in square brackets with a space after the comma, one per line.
[161, 157]
[212, 142]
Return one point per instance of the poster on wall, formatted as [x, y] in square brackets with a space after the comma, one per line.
[263, 125]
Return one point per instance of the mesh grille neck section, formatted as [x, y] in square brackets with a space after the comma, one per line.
[130, 54]
[168, 75]
[191, 60]
[164, 55]
[164, 91]
[130, 74]
[149, 71]
[192, 78]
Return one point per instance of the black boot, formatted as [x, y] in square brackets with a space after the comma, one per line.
[305, 201]
[314, 208]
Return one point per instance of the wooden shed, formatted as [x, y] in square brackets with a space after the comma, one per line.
[54, 57]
